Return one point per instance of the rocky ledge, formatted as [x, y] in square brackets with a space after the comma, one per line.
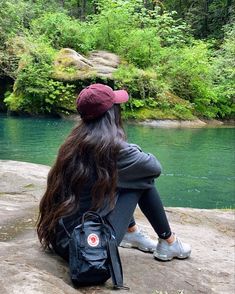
[173, 123]
[69, 65]
[24, 268]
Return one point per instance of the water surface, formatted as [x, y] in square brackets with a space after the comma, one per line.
[198, 164]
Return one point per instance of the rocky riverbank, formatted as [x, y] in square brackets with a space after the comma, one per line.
[197, 123]
[172, 123]
[24, 268]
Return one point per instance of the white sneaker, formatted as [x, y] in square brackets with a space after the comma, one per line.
[139, 240]
[165, 251]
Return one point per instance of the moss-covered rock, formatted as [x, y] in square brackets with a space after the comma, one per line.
[72, 66]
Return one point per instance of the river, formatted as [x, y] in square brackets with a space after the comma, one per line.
[198, 163]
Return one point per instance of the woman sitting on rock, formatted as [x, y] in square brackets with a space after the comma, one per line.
[97, 169]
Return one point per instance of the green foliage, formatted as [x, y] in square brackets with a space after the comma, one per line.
[112, 24]
[135, 33]
[141, 47]
[171, 31]
[15, 20]
[139, 83]
[149, 96]
[206, 17]
[157, 113]
[14, 16]
[161, 60]
[224, 74]
[60, 97]
[189, 74]
[34, 90]
[63, 31]
[12, 21]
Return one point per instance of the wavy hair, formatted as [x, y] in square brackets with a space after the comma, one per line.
[89, 152]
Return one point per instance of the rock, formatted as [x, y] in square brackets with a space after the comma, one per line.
[25, 268]
[105, 63]
[70, 58]
[22, 184]
[70, 65]
[167, 123]
[214, 122]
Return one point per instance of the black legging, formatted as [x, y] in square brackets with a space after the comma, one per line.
[150, 204]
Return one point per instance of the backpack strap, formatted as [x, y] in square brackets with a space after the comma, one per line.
[115, 265]
[61, 222]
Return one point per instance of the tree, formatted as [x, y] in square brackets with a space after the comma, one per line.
[206, 17]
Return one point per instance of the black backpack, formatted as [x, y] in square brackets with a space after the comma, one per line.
[93, 253]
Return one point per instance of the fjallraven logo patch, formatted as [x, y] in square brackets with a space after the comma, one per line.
[93, 240]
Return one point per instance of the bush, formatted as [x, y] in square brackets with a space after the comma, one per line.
[189, 74]
[112, 24]
[35, 92]
[14, 17]
[140, 83]
[149, 96]
[129, 29]
[63, 31]
[224, 74]
[141, 47]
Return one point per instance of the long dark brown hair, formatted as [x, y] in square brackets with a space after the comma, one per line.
[89, 152]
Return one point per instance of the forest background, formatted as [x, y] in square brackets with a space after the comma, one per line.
[177, 57]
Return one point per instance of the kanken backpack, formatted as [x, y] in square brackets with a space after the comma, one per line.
[93, 253]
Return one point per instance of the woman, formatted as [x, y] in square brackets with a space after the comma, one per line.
[96, 169]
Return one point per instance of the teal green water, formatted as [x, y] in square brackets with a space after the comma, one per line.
[198, 164]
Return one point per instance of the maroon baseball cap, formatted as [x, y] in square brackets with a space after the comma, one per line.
[93, 101]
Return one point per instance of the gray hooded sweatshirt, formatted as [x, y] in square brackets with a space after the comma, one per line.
[136, 169]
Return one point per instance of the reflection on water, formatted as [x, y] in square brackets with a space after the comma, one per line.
[198, 164]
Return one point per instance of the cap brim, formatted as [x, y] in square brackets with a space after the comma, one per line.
[121, 96]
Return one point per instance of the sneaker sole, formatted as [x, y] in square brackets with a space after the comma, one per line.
[129, 245]
[168, 258]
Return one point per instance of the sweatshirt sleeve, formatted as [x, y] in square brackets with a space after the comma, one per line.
[136, 169]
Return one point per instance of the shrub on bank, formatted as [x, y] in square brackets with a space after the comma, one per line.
[35, 92]
[224, 74]
[62, 31]
[150, 96]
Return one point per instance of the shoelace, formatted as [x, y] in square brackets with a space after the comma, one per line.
[180, 245]
[144, 234]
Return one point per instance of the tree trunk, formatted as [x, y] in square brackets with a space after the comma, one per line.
[95, 7]
[205, 26]
[227, 10]
[81, 4]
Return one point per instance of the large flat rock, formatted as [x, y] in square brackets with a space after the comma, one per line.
[24, 268]
[69, 65]
[21, 186]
